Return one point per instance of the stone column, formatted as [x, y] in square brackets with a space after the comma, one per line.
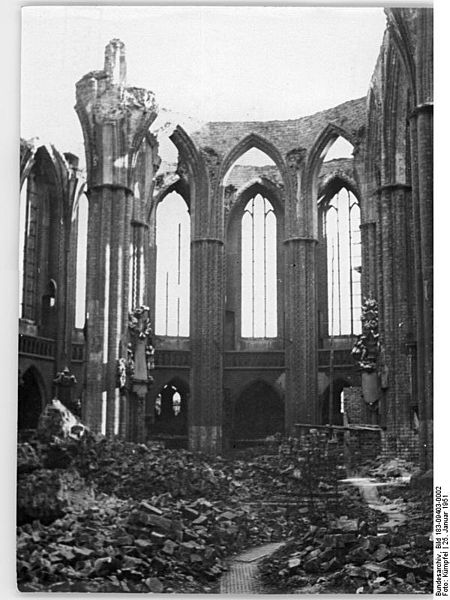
[421, 124]
[114, 119]
[422, 175]
[301, 344]
[397, 290]
[207, 314]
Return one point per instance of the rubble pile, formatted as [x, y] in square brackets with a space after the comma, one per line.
[116, 545]
[108, 515]
[391, 468]
[97, 515]
[355, 555]
[177, 519]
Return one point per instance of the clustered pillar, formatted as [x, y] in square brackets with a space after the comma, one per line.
[300, 300]
[397, 290]
[422, 173]
[205, 429]
[301, 334]
[207, 301]
[114, 119]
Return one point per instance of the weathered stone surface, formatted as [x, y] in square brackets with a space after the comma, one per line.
[57, 423]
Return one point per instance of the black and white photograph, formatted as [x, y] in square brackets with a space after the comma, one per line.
[225, 301]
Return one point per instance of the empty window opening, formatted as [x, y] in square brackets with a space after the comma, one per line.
[332, 403]
[259, 270]
[170, 410]
[343, 238]
[49, 298]
[172, 267]
[22, 240]
[241, 170]
[341, 148]
[28, 240]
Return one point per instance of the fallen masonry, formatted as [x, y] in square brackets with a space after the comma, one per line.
[97, 515]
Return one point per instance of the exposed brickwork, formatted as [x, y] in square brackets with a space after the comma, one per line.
[283, 135]
[354, 404]
[391, 173]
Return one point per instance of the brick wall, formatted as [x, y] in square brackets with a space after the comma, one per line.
[284, 135]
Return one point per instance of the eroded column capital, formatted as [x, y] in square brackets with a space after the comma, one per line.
[114, 119]
[295, 159]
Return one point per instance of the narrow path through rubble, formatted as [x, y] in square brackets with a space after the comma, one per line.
[242, 576]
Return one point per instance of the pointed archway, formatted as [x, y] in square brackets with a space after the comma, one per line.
[171, 410]
[258, 412]
[31, 400]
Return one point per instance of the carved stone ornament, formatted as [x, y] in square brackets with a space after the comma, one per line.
[139, 323]
[121, 373]
[65, 378]
[229, 197]
[135, 368]
[212, 161]
[367, 347]
[295, 158]
[182, 170]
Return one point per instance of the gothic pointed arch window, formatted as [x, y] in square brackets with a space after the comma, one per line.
[340, 226]
[172, 267]
[258, 269]
[23, 231]
[254, 223]
[28, 240]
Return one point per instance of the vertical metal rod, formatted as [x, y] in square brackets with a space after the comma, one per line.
[350, 259]
[330, 397]
[265, 271]
[253, 267]
[167, 300]
[135, 267]
[179, 252]
[178, 317]
[338, 243]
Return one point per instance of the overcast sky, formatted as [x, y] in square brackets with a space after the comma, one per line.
[211, 63]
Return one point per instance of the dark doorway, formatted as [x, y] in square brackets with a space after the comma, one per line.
[30, 400]
[171, 409]
[258, 413]
[337, 417]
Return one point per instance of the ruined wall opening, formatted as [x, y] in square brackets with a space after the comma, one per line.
[171, 409]
[49, 309]
[23, 228]
[254, 219]
[340, 226]
[331, 401]
[258, 269]
[172, 266]
[258, 412]
[339, 251]
[340, 149]
[28, 240]
[30, 399]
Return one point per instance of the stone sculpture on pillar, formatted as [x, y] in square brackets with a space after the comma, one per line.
[134, 372]
[366, 352]
[65, 383]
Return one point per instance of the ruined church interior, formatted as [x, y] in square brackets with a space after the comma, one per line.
[265, 278]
